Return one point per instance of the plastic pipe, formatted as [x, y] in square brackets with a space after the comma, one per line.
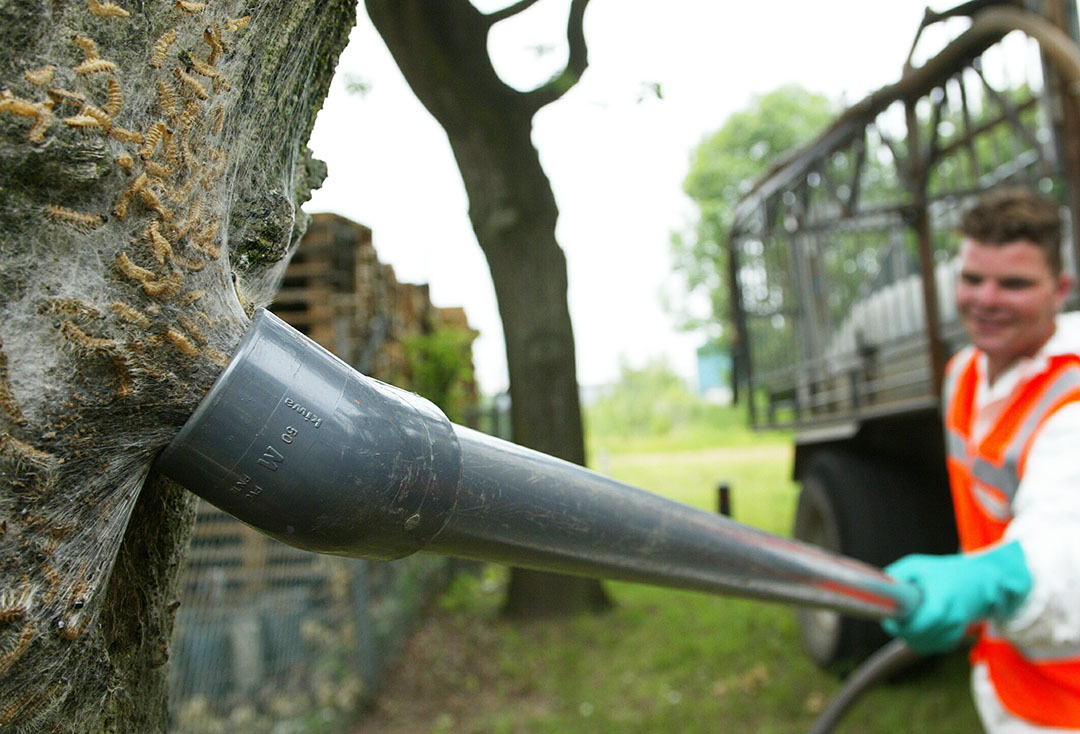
[297, 444]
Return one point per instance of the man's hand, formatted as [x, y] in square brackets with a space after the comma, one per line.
[958, 590]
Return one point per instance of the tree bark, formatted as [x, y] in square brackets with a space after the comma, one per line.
[441, 48]
[152, 166]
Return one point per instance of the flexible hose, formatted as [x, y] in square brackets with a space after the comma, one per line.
[889, 659]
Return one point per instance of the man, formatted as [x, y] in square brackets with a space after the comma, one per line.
[1012, 429]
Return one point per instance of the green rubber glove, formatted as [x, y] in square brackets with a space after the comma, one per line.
[956, 591]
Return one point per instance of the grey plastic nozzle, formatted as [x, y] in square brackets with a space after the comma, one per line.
[294, 442]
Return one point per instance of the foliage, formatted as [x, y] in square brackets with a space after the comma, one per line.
[441, 368]
[722, 169]
[652, 408]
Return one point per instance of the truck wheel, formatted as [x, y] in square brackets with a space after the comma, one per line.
[862, 510]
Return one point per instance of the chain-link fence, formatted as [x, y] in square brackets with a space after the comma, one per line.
[272, 639]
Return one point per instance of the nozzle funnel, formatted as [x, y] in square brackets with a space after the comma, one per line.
[297, 444]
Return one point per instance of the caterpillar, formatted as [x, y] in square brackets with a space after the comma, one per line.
[40, 111]
[190, 7]
[167, 99]
[40, 77]
[237, 24]
[95, 66]
[63, 96]
[182, 343]
[106, 10]
[8, 403]
[131, 270]
[80, 338]
[218, 358]
[84, 223]
[150, 140]
[125, 136]
[130, 314]
[125, 161]
[102, 117]
[88, 46]
[159, 171]
[116, 98]
[191, 83]
[161, 246]
[69, 306]
[164, 288]
[161, 48]
[212, 36]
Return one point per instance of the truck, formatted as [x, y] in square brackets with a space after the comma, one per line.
[842, 265]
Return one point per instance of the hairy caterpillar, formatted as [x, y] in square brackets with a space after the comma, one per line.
[40, 111]
[80, 338]
[191, 83]
[237, 24]
[218, 358]
[182, 343]
[150, 140]
[161, 246]
[116, 98]
[69, 306]
[167, 99]
[40, 77]
[88, 46]
[131, 270]
[95, 66]
[63, 96]
[125, 136]
[106, 10]
[130, 314]
[8, 403]
[212, 36]
[124, 160]
[76, 220]
[161, 48]
[164, 288]
[190, 7]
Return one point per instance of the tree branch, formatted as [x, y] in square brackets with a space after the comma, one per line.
[509, 11]
[576, 64]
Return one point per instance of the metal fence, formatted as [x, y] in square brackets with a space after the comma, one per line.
[272, 639]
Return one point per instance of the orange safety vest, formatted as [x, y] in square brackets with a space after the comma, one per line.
[1041, 686]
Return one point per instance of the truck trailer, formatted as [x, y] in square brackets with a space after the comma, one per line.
[842, 270]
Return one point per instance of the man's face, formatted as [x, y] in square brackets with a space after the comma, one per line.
[1007, 298]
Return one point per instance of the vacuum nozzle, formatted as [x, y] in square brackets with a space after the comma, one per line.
[297, 444]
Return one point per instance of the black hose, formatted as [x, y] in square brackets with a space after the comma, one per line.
[889, 659]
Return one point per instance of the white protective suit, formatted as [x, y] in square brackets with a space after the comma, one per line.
[1046, 521]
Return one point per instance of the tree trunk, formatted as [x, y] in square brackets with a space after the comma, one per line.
[441, 48]
[151, 171]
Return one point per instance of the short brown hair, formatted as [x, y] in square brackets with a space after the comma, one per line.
[1012, 214]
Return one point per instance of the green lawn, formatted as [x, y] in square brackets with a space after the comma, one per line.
[662, 660]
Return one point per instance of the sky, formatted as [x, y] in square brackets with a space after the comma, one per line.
[615, 153]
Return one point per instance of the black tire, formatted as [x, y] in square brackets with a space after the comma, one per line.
[875, 513]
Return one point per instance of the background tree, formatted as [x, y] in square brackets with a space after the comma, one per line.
[152, 165]
[722, 169]
[441, 48]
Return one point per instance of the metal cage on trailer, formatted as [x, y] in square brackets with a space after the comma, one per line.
[842, 270]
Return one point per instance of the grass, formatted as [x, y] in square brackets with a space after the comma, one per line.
[663, 660]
